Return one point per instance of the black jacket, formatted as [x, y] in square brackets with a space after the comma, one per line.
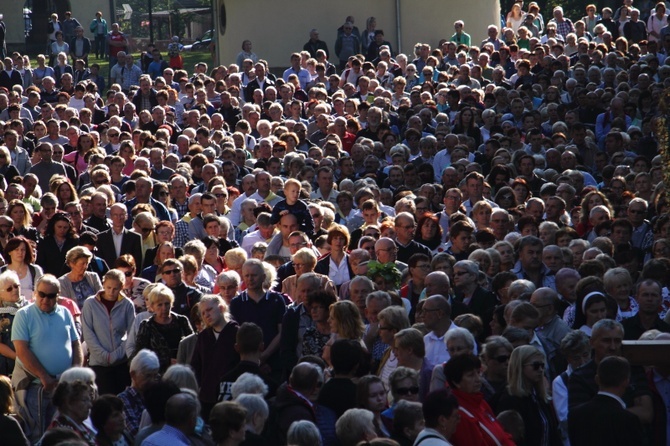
[603, 421]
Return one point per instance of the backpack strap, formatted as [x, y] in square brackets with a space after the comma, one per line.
[426, 438]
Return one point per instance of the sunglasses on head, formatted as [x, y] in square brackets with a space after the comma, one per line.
[44, 295]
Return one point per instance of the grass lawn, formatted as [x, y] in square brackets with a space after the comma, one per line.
[190, 59]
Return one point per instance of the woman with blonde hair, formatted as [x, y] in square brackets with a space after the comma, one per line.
[22, 220]
[526, 393]
[304, 261]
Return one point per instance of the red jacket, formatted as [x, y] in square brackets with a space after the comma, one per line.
[478, 425]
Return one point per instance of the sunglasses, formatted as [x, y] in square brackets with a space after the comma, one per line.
[112, 135]
[47, 295]
[537, 365]
[414, 390]
[146, 230]
[501, 358]
[172, 271]
[12, 288]
[128, 274]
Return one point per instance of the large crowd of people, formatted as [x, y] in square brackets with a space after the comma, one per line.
[442, 247]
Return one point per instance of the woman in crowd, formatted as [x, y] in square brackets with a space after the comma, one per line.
[163, 331]
[589, 309]
[459, 341]
[391, 320]
[618, 285]
[526, 394]
[466, 125]
[304, 261]
[521, 190]
[371, 395]
[505, 198]
[315, 338]
[74, 402]
[79, 157]
[495, 355]
[481, 214]
[133, 287]
[478, 426]
[338, 239]
[228, 283]
[429, 231]
[63, 190]
[79, 284]
[212, 257]
[404, 386]
[419, 267]
[164, 251]
[12, 434]
[107, 318]
[11, 301]
[127, 152]
[18, 211]
[410, 350]
[59, 238]
[165, 232]
[19, 257]
[109, 419]
[591, 200]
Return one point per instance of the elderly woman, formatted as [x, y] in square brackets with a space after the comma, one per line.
[526, 393]
[19, 257]
[315, 338]
[133, 287]
[478, 425]
[18, 211]
[495, 355]
[391, 320]
[162, 332]
[404, 386]
[459, 341]
[336, 264]
[74, 402]
[257, 414]
[618, 285]
[107, 318]
[164, 251]
[481, 214]
[59, 238]
[228, 283]
[79, 284]
[235, 259]
[304, 261]
[10, 302]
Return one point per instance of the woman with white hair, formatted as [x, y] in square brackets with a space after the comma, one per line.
[79, 283]
[304, 433]
[10, 302]
[257, 414]
[107, 318]
[228, 283]
[249, 383]
[304, 261]
[144, 370]
[354, 426]
[459, 341]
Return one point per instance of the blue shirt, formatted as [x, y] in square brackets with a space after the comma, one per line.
[49, 336]
[267, 313]
[167, 435]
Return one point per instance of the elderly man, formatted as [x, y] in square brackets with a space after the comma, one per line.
[359, 289]
[530, 266]
[386, 251]
[648, 297]
[214, 353]
[477, 300]
[358, 259]
[98, 220]
[46, 167]
[144, 369]
[143, 189]
[181, 416]
[118, 240]
[552, 329]
[552, 257]
[295, 399]
[437, 318]
[374, 303]
[405, 227]
[566, 285]
[606, 339]
[47, 344]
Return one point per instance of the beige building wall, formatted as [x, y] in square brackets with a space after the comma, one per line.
[278, 28]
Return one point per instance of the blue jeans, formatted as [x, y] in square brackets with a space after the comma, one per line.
[40, 411]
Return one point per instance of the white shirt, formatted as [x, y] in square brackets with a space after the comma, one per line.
[339, 273]
[117, 239]
[436, 349]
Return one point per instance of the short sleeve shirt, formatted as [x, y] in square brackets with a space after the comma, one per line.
[49, 336]
[267, 313]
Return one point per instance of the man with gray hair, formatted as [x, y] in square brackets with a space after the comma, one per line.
[566, 285]
[437, 318]
[551, 327]
[46, 345]
[468, 291]
[144, 370]
[597, 215]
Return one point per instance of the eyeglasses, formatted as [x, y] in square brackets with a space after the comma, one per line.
[44, 295]
[297, 245]
[279, 149]
[536, 365]
[12, 288]
[407, 390]
[128, 274]
[113, 135]
[460, 273]
[172, 271]
[501, 358]
[424, 266]
[220, 195]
